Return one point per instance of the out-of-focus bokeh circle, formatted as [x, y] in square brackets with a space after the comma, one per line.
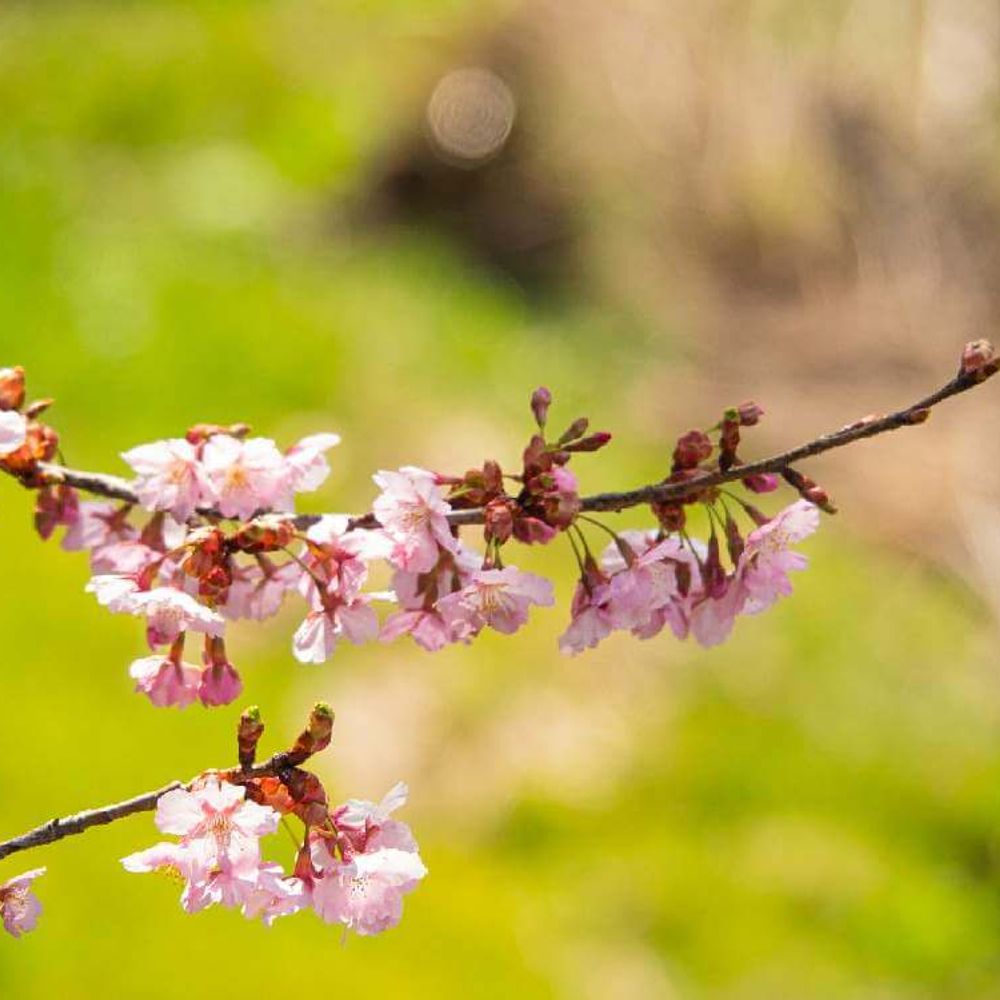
[470, 115]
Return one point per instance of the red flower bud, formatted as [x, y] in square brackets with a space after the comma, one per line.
[761, 482]
[541, 400]
[592, 443]
[749, 413]
[672, 517]
[692, 448]
[976, 355]
[498, 517]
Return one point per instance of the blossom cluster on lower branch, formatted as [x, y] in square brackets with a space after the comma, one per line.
[354, 869]
[353, 863]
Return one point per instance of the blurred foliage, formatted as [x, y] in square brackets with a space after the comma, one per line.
[808, 812]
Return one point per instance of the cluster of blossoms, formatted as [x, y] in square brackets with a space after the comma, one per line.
[354, 865]
[208, 535]
[205, 534]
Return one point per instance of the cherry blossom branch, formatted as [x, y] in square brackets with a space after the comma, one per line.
[279, 765]
[116, 488]
[866, 427]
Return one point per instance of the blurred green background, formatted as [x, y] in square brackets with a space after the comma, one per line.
[231, 211]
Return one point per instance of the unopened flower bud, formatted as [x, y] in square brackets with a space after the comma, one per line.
[808, 489]
[316, 735]
[575, 430]
[11, 388]
[541, 400]
[749, 413]
[672, 517]
[976, 356]
[761, 482]
[248, 734]
[498, 517]
[692, 448]
[592, 443]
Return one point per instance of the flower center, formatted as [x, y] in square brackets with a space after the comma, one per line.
[359, 888]
[237, 478]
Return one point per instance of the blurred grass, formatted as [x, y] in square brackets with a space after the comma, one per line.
[809, 811]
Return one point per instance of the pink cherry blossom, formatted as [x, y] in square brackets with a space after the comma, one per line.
[412, 511]
[166, 681]
[245, 476]
[169, 612]
[368, 825]
[338, 557]
[19, 907]
[258, 593]
[203, 886]
[306, 461]
[590, 620]
[112, 590]
[13, 431]
[317, 636]
[274, 895]
[645, 584]
[499, 598]
[220, 684]
[98, 523]
[216, 821]
[427, 628]
[169, 476]
[645, 595]
[124, 557]
[711, 618]
[767, 560]
[365, 894]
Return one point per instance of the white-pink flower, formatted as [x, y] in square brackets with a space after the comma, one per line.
[306, 461]
[274, 894]
[168, 476]
[711, 619]
[412, 511]
[169, 612]
[645, 584]
[369, 825]
[767, 560]
[246, 476]
[220, 826]
[365, 894]
[258, 593]
[316, 638]
[19, 906]
[590, 621]
[13, 431]
[166, 681]
[499, 598]
[128, 557]
[203, 885]
[112, 590]
[98, 523]
[427, 628]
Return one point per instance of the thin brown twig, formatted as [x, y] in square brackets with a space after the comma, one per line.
[68, 826]
[115, 488]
